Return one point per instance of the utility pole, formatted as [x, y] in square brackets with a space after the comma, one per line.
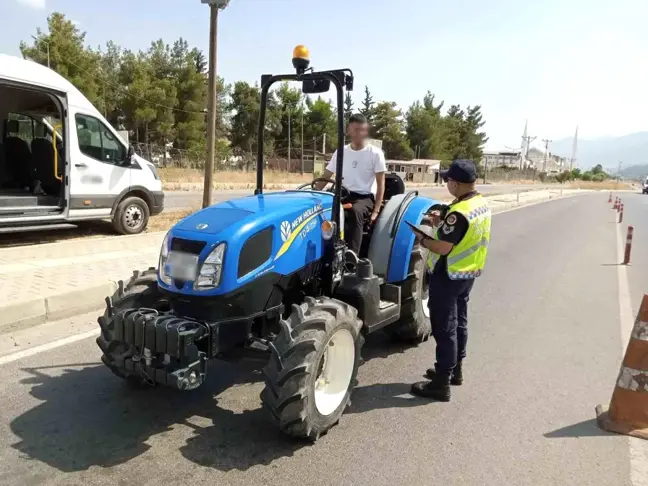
[546, 155]
[324, 144]
[289, 140]
[302, 140]
[314, 153]
[619, 171]
[214, 7]
[527, 143]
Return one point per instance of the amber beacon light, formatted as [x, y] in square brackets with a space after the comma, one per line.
[301, 58]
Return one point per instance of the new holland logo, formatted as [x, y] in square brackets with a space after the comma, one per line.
[285, 231]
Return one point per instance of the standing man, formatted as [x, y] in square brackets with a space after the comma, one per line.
[363, 166]
[457, 256]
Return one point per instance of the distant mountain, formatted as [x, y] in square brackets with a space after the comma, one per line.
[634, 171]
[608, 151]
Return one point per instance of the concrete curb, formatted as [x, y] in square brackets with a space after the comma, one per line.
[38, 311]
[55, 307]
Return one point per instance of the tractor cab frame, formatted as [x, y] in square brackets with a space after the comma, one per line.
[314, 82]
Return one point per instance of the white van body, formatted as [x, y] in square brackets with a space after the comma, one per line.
[99, 175]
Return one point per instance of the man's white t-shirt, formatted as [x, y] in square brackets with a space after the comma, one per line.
[359, 168]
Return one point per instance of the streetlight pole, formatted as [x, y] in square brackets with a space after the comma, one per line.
[214, 7]
[289, 139]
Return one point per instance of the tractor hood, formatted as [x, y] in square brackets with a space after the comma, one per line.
[229, 218]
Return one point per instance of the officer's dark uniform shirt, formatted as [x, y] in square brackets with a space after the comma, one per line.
[453, 228]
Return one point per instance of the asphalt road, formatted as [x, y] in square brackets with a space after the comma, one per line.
[544, 349]
[174, 200]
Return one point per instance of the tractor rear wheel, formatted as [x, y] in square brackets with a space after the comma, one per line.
[139, 291]
[414, 324]
[313, 367]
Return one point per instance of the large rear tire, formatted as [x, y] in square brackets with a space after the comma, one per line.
[313, 367]
[139, 291]
[414, 324]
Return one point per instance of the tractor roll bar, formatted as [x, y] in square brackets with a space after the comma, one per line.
[266, 83]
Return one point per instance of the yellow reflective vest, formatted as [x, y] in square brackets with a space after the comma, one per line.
[467, 258]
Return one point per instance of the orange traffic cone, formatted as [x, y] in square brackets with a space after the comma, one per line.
[628, 412]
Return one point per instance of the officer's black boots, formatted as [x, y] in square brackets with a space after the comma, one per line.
[437, 389]
[457, 374]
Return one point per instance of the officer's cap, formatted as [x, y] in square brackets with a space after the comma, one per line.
[460, 171]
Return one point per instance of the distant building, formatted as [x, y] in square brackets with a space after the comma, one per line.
[502, 158]
[552, 164]
[417, 170]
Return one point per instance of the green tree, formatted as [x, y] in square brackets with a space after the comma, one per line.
[69, 56]
[289, 106]
[348, 107]
[388, 126]
[368, 106]
[424, 126]
[321, 123]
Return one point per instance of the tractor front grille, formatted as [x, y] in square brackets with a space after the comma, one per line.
[187, 246]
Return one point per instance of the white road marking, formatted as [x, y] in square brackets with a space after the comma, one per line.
[638, 447]
[47, 347]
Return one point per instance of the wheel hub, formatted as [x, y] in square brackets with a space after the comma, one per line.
[336, 369]
[133, 216]
[425, 297]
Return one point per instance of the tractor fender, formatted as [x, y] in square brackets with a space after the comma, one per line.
[392, 240]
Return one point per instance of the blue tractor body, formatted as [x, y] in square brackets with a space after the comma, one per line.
[293, 220]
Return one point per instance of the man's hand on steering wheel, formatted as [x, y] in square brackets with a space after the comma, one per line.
[319, 184]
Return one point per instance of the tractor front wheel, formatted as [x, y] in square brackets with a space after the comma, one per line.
[141, 290]
[313, 367]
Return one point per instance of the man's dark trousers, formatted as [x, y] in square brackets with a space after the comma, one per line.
[449, 316]
[356, 217]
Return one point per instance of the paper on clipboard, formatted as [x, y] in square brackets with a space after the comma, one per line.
[421, 230]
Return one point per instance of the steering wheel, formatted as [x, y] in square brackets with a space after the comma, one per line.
[344, 192]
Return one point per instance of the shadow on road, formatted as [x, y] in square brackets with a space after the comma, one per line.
[90, 418]
[381, 345]
[587, 428]
[384, 395]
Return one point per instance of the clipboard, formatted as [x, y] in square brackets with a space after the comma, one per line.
[419, 231]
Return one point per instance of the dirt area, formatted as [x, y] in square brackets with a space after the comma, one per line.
[175, 179]
[603, 186]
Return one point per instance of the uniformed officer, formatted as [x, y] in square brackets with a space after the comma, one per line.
[457, 256]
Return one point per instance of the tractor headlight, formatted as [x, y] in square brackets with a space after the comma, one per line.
[328, 229]
[211, 269]
[164, 254]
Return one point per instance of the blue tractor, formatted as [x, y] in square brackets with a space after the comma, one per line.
[267, 276]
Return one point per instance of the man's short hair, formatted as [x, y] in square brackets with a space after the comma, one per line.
[358, 118]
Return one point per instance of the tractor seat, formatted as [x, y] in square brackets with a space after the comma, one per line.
[394, 186]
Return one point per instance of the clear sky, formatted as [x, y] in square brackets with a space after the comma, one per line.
[557, 63]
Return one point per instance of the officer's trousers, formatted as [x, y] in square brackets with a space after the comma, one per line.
[449, 315]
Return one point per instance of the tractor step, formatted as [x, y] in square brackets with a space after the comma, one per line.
[385, 304]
